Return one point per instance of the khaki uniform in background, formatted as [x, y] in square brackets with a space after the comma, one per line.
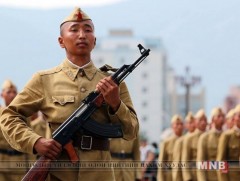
[207, 151]
[189, 153]
[229, 150]
[177, 151]
[166, 150]
[41, 127]
[166, 155]
[13, 164]
[129, 152]
[57, 93]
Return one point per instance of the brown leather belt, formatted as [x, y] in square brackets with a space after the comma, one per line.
[10, 152]
[85, 142]
[122, 155]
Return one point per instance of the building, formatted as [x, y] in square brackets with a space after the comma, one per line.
[147, 84]
[232, 99]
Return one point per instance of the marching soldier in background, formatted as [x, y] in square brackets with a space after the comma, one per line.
[189, 152]
[229, 149]
[177, 149]
[207, 145]
[9, 157]
[229, 123]
[129, 152]
[166, 149]
[190, 124]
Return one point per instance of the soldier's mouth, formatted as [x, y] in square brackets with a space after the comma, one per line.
[82, 44]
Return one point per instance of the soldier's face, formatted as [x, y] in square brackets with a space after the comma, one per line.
[237, 119]
[191, 126]
[8, 95]
[218, 121]
[230, 123]
[178, 128]
[202, 123]
[77, 37]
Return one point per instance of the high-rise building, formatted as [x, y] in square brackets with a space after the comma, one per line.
[148, 82]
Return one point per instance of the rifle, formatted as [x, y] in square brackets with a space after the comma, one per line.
[81, 119]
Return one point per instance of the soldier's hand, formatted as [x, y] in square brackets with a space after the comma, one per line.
[48, 147]
[110, 91]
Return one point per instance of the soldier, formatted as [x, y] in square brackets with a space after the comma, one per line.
[189, 151]
[229, 119]
[207, 145]
[128, 152]
[9, 156]
[229, 149]
[166, 149]
[190, 123]
[58, 92]
[190, 126]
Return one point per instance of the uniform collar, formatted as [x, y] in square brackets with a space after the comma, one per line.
[72, 70]
[215, 130]
[198, 131]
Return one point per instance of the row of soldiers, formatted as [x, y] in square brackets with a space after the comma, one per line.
[198, 153]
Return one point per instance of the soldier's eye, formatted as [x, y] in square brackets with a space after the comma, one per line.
[73, 29]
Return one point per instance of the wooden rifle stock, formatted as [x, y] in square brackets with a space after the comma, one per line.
[39, 171]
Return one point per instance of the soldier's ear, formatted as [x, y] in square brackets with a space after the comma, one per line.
[95, 41]
[61, 42]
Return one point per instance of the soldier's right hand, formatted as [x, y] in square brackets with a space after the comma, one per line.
[48, 147]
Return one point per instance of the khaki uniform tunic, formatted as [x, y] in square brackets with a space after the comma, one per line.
[57, 93]
[126, 147]
[177, 156]
[12, 167]
[166, 155]
[189, 154]
[207, 151]
[229, 150]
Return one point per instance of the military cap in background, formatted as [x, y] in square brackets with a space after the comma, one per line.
[230, 114]
[237, 109]
[8, 84]
[189, 117]
[176, 118]
[216, 111]
[200, 114]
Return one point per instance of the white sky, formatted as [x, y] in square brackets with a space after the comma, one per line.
[51, 4]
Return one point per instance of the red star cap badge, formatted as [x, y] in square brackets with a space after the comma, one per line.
[79, 16]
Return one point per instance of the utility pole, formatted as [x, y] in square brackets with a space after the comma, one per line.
[188, 81]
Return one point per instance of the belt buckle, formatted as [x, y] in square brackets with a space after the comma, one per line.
[83, 143]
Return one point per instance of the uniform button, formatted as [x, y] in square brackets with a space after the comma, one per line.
[83, 89]
[81, 73]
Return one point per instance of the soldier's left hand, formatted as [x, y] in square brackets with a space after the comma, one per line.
[110, 91]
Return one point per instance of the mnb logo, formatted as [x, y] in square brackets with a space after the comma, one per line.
[213, 165]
